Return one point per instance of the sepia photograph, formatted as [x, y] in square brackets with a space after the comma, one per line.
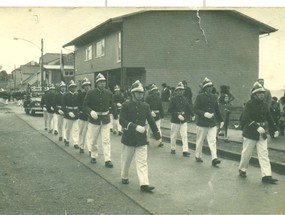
[132, 108]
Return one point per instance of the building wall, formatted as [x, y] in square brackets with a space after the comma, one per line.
[107, 62]
[171, 46]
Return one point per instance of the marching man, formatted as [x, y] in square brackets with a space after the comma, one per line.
[50, 110]
[44, 107]
[70, 109]
[118, 99]
[155, 104]
[83, 117]
[96, 104]
[58, 109]
[133, 117]
[180, 111]
[208, 116]
[254, 122]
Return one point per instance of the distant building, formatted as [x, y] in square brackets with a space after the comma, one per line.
[20, 74]
[169, 46]
[56, 68]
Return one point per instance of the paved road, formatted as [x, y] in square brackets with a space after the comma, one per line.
[37, 177]
[182, 185]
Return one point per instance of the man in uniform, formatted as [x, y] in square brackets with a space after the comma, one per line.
[133, 117]
[57, 104]
[96, 104]
[118, 99]
[44, 107]
[180, 111]
[254, 122]
[155, 104]
[70, 109]
[83, 117]
[208, 116]
[50, 110]
[165, 96]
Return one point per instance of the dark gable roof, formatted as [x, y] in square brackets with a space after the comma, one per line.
[263, 28]
[114, 24]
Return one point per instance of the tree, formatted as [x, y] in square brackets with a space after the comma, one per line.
[3, 75]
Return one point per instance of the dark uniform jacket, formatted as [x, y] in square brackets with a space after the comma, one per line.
[57, 102]
[255, 114]
[118, 98]
[100, 101]
[133, 114]
[207, 103]
[82, 114]
[70, 104]
[165, 94]
[155, 105]
[49, 101]
[180, 106]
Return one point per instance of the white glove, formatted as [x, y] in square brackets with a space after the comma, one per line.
[71, 114]
[180, 117]
[193, 118]
[44, 109]
[153, 114]
[276, 134]
[93, 114]
[222, 124]
[119, 105]
[60, 112]
[140, 129]
[51, 108]
[260, 130]
[208, 115]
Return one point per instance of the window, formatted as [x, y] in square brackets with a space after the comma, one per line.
[100, 48]
[88, 53]
[119, 47]
[68, 73]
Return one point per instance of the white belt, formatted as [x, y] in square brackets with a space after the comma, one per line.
[72, 108]
[102, 113]
[156, 111]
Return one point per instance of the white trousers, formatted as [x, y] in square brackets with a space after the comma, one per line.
[89, 137]
[50, 121]
[174, 129]
[82, 133]
[262, 152]
[71, 131]
[115, 124]
[55, 122]
[45, 115]
[94, 131]
[148, 130]
[60, 125]
[211, 134]
[140, 154]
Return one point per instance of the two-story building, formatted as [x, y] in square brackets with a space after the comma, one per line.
[169, 46]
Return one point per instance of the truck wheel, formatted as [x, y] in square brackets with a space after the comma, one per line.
[27, 110]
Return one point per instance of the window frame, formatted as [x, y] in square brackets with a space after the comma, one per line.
[119, 46]
[88, 53]
[102, 44]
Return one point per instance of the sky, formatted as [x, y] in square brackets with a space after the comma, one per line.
[59, 24]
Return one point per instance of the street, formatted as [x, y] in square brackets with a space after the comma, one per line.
[39, 175]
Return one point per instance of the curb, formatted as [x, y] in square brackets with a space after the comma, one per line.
[276, 166]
